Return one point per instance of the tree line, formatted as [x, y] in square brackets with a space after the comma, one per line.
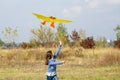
[48, 37]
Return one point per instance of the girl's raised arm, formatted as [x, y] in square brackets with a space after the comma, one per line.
[58, 50]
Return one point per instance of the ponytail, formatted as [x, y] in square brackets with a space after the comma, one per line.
[48, 56]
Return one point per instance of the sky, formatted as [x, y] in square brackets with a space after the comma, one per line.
[97, 17]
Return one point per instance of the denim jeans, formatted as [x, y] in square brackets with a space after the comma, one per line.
[52, 77]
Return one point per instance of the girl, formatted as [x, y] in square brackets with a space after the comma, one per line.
[51, 62]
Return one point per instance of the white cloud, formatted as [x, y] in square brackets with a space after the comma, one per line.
[93, 3]
[98, 3]
[114, 1]
[73, 11]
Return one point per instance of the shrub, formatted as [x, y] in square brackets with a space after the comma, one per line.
[88, 43]
[117, 43]
[26, 45]
[74, 36]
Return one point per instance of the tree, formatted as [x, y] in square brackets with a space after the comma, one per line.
[75, 36]
[15, 34]
[62, 34]
[82, 34]
[34, 43]
[75, 39]
[88, 43]
[10, 35]
[117, 30]
[43, 34]
[7, 34]
[117, 43]
[1, 42]
[101, 42]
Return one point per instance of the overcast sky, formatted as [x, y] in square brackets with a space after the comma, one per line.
[97, 17]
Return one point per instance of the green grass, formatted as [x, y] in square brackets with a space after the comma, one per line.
[65, 72]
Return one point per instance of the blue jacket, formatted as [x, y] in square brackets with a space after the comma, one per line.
[52, 62]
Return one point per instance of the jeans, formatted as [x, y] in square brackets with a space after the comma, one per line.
[52, 77]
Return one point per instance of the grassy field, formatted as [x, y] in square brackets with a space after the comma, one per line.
[65, 72]
[80, 64]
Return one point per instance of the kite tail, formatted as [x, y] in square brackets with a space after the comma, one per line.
[43, 23]
[52, 25]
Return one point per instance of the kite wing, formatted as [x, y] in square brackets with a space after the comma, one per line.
[50, 19]
[62, 20]
[45, 18]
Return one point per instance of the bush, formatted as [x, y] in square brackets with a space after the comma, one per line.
[88, 43]
[74, 36]
[26, 45]
[117, 43]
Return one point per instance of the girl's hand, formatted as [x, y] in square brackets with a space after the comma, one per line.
[60, 42]
[63, 61]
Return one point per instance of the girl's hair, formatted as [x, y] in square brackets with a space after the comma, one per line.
[48, 56]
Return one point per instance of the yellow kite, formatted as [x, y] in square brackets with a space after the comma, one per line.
[50, 19]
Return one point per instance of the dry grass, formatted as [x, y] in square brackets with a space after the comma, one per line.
[80, 64]
[80, 56]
